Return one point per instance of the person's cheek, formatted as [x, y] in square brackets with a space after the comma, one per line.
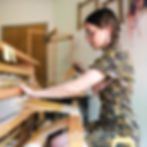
[102, 38]
[97, 40]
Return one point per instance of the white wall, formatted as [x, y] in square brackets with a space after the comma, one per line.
[65, 12]
[26, 12]
[139, 53]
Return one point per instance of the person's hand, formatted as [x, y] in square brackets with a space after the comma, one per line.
[27, 90]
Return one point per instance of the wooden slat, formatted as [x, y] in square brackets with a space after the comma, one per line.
[68, 74]
[46, 106]
[19, 54]
[61, 37]
[40, 105]
[76, 132]
[12, 124]
[15, 70]
[10, 92]
[4, 142]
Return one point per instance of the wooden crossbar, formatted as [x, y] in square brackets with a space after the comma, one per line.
[5, 68]
[19, 54]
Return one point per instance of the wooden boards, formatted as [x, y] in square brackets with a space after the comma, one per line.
[13, 69]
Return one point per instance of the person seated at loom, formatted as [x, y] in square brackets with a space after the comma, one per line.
[116, 117]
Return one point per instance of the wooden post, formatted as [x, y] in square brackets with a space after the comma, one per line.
[76, 134]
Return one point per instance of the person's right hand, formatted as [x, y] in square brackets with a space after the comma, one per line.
[27, 90]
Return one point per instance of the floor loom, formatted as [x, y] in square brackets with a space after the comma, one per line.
[23, 126]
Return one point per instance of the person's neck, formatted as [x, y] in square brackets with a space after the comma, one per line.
[106, 46]
[109, 46]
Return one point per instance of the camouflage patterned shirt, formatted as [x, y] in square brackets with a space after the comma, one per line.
[116, 112]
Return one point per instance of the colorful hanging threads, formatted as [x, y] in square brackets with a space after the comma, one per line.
[135, 7]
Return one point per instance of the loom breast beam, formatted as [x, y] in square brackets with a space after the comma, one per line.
[46, 106]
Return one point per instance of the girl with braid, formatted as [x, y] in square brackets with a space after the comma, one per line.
[116, 117]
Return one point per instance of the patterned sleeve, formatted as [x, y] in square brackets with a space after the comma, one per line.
[108, 66]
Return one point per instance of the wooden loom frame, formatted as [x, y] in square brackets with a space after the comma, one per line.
[36, 106]
[54, 38]
[73, 122]
[32, 32]
[7, 129]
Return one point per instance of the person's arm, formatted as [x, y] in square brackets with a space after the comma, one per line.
[69, 89]
[100, 85]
